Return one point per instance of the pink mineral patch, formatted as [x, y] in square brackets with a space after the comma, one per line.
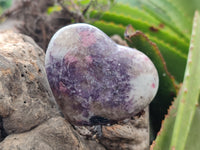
[153, 85]
[70, 58]
[88, 59]
[87, 38]
[146, 58]
[62, 87]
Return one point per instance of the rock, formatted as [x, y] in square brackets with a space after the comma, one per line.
[117, 39]
[54, 134]
[96, 81]
[25, 98]
[133, 135]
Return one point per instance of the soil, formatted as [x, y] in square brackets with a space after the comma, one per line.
[30, 18]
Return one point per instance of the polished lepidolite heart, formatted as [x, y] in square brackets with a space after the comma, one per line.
[94, 80]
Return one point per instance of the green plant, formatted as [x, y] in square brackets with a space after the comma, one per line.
[180, 128]
[4, 4]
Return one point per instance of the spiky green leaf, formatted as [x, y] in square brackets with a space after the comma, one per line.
[179, 130]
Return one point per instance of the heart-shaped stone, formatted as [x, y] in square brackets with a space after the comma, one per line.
[94, 80]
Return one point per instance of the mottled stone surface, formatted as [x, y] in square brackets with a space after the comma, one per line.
[96, 81]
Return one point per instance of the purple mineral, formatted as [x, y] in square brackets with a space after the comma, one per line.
[94, 80]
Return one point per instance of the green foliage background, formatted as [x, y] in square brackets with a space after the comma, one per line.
[4, 4]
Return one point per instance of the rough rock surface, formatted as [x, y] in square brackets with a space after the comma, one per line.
[25, 97]
[130, 136]
[54, 134]
[29, 117]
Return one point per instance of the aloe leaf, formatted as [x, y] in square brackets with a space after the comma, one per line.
[179, 130]
[171, 55]
[165, 11]
[141, 14]
[109, 28]
[176, 15]
[191, 85]
[187, 7]
[167, 88]
[164, 136]
[163, 17]
[133, 12]
[137, 3]
[145, 27]
[194, 136]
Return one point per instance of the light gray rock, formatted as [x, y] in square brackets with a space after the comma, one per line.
[54, 134]
[25, 98]
[133, 135]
